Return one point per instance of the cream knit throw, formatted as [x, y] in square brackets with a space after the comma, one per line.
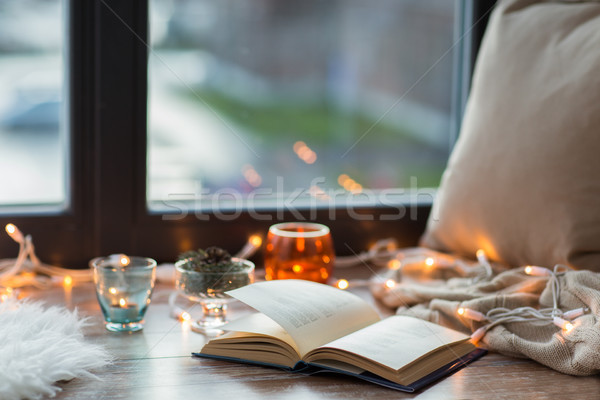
[576, 352]
[39, 347]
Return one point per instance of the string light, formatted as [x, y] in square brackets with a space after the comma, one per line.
[252, 246]
[27, 269]
[537, 271]
[563, 324]
[14, 233]
[390, 283]
[500, 315]
[471, 314]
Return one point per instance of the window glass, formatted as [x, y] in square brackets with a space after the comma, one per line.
[314, 97]
[33, 145]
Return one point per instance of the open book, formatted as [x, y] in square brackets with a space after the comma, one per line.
[310, 327]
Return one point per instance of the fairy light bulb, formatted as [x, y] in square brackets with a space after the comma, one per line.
[470, 314]
[429, 261]
[255, 240]
[390, 283]
[342, 284]
[14, 233]
[68, 281]
[537, 271]
[480, 254]
[565, 325]
[124, 260]
[394, 264]
[185, 316]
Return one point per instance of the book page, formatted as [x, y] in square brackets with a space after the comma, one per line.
[312, 313]
[261, 324]
[396, 341]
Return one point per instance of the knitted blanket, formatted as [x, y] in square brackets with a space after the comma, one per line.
[575, 351]
[39, 347]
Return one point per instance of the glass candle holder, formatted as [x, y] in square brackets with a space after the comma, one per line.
[299, 250]
[124, 287]
[208, 288]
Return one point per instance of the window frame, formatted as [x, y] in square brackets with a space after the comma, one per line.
[107, 61]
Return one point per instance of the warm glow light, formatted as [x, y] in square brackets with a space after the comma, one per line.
[298, 145]
[394, 264]
[342, 284]
[122, 303]
[342, 179]
[10, 229]
[565, 325]
[460, 311]
[349, 184]
[112, 290]
[537, 271]
[68, 281]
[429, 261]
[251, 176]
[480, 253]
[255, 240]
[297, 268]
[304, 152]
[390, 283]
[14, 233]
[185, 316]
[124, 260]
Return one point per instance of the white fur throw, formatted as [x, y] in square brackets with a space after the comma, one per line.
[39, 347]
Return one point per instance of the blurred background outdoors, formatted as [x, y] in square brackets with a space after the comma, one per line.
[243, 92]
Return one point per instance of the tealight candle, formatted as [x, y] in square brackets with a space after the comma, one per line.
[124, 286]
[123, 312]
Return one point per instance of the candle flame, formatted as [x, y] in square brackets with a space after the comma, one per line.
[122, 303]
[112, 290]
[429, 261]
[68, 281]
[390, 283]
[124, 260]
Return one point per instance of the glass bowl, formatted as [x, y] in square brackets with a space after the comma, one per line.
[208, 286]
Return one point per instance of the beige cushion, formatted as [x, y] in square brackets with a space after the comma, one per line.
[523, 181]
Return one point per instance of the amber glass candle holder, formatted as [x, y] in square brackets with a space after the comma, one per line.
[299, 250]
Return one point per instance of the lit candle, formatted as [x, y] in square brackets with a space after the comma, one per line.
[123, 312]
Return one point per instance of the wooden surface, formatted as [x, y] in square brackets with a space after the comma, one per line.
[156, 364]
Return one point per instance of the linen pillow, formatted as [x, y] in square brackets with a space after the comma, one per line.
[523, 181]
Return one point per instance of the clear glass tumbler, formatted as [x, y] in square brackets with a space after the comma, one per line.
[124, 287]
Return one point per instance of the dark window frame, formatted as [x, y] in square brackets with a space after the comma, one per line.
[108, 211]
